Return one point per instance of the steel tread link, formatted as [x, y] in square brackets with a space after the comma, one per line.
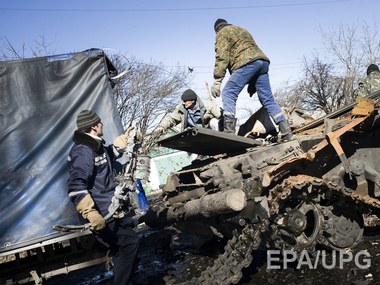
[227, 268]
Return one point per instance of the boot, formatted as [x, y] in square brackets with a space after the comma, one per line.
[286, 131]
[229, 125]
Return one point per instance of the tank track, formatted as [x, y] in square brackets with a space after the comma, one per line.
[227, 268]
[300, 182]
[307, 186]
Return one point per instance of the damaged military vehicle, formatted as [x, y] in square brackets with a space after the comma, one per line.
[322, 188]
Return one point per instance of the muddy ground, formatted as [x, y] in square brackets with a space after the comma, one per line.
[168, 256]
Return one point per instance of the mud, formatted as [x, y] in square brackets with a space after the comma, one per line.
[167, 256]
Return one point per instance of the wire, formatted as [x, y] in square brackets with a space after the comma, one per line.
[170, 9]
[274, 66]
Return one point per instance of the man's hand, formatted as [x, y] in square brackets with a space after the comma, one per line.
[96, 220]
[86, 208]
[159, 130]
[122, 140]
[138, 135]
[129, 130]
[215, 88]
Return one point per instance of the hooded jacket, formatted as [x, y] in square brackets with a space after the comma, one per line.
[208, 110]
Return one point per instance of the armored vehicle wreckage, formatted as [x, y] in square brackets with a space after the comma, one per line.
[322, 188]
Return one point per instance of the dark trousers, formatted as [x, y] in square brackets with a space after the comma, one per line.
[123, 242]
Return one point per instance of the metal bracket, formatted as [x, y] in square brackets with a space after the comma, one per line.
[332, 138]
[36, 277]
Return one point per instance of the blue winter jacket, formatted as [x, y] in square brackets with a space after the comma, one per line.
[91, 172]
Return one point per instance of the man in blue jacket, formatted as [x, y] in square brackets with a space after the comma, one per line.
[91, 186]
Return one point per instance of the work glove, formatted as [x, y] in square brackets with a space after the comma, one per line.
[122, 140]
[138, 135]
[86, 208]
[96, 220]
[215, 87]
[159, 130]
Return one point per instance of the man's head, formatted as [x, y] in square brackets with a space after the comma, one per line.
[372, 67]
[220, 23]
[89, 122]
[189, 98]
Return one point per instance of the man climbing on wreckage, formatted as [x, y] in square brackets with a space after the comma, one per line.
[236, 50]
[91, 188]
[192, 112]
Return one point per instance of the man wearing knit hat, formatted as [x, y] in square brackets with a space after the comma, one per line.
[192, 112]
[371, 83]
[236, 50]
[91, 188]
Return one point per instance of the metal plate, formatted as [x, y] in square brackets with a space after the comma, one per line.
[207, 142]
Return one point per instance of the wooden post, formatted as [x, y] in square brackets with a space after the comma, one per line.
[208, 91]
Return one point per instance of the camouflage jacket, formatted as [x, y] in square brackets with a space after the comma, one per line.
[369, 84]
[234, 48]
[208, 109]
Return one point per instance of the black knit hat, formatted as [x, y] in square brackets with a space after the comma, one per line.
[372, 67]
[189, 95]
[87, 119]
[219, 23]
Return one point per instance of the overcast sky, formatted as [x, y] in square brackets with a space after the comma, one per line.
[181, 32]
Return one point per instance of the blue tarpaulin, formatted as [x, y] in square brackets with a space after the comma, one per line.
[40, 100]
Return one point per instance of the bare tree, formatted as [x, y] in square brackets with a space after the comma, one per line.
[320, 88]
[354, 48]
[41, 48]
[147, 92]
[332, 82]
[317, 89]
[285, 96]
[8, 51]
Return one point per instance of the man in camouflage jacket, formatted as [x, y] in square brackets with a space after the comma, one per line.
[371, 83]
[237, 51]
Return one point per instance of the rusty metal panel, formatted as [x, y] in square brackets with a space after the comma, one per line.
[208, 142]
[364, 107]
[334, 114]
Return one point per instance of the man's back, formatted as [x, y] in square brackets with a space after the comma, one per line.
[237, 44]
[369, 84]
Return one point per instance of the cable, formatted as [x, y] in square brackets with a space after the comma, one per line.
[171, 9]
